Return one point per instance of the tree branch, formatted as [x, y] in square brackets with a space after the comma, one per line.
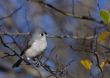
[16, 10]
[69, 14]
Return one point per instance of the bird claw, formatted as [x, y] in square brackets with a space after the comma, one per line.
[38, 64]
[34, 62]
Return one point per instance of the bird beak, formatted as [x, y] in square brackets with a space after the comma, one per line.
[45, 33]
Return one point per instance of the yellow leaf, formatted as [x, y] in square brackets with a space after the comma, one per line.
[102, 64]
[105, 15]
[103, 36]
[86, 63]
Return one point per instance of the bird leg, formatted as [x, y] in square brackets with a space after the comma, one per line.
[34, 62]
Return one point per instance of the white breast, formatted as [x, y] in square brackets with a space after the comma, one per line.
[37, 47]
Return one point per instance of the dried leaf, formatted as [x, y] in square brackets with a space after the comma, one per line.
[103, 36]
[102, 64]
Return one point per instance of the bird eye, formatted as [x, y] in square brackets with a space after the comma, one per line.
[42, 34]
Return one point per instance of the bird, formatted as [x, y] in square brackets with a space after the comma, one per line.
[36, 47]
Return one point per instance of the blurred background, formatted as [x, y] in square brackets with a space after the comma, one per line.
[26, 16]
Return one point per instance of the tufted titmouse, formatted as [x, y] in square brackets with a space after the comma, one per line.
[37, 45]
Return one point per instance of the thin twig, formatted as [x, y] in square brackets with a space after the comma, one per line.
[9, 47]
[94, 50]
[14, 34]
[73, 7]
[16, 10]
[69, 14]
[98, 5]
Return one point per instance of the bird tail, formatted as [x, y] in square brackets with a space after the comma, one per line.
[17, 64]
